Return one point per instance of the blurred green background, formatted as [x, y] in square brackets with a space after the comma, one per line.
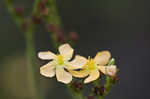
[121, 26]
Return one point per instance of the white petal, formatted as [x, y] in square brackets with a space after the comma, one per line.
[63, 76]
[66, 51]
[111, 70]
[77, 63]
[79, 74]
[47, 55]
[102, 69]
[48, 70]
[102, 58]
[92, 76]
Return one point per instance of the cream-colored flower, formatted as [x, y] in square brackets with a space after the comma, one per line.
[93, 66]
[60, 62]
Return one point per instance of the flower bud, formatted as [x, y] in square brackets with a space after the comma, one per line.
[51, 28]
[26, 24]
[42, 8]
[60, 37]
[111, 70]
[90, 97]
[19, 11]
[73, 36]
[45, 11]
[36, 19]
[45, 1]
[115, 79]
[77, 85]
[99, 90]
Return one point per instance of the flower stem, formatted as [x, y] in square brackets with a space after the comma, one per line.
[33, 74]
[109, 81]
[53, 18]
[77, 95]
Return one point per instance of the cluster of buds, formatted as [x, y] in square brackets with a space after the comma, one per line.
[77, 86]
[59, 33]
[99, 90]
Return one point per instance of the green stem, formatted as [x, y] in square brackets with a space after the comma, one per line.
[35, 6]
[30, 51]
[96, 83]
[33, 73]
[11, 10]
[109, 83]
[77, 95]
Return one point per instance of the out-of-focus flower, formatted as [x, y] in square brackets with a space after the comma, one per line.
[61, 62]
[93, 66]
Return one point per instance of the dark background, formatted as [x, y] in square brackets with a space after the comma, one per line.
[121, 26]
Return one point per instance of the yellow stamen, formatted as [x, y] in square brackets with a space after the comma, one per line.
[91, 64]
[60, 59]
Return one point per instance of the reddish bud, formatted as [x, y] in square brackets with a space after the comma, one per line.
[115, 79]
[90, 97]
[99, 90]
[36, 19]
[60, 37]
[51, 28]
[45, 11]
[26, 24]
[77, 85]
[40, 6]
[45, 1]
[73, 36]
[19, 10]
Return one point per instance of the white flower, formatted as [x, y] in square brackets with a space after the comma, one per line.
[93, 67]
[60, 62]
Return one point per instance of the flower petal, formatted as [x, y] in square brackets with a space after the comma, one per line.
[102, 69]
[77, 63]
[66, 51]
[47, 55]
[93, 76]
[48, 70]
[63, 76]
[111, 70]
[79, 74]
[102, 58]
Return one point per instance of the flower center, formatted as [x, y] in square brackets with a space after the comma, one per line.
[60, 59]
[91, 64]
